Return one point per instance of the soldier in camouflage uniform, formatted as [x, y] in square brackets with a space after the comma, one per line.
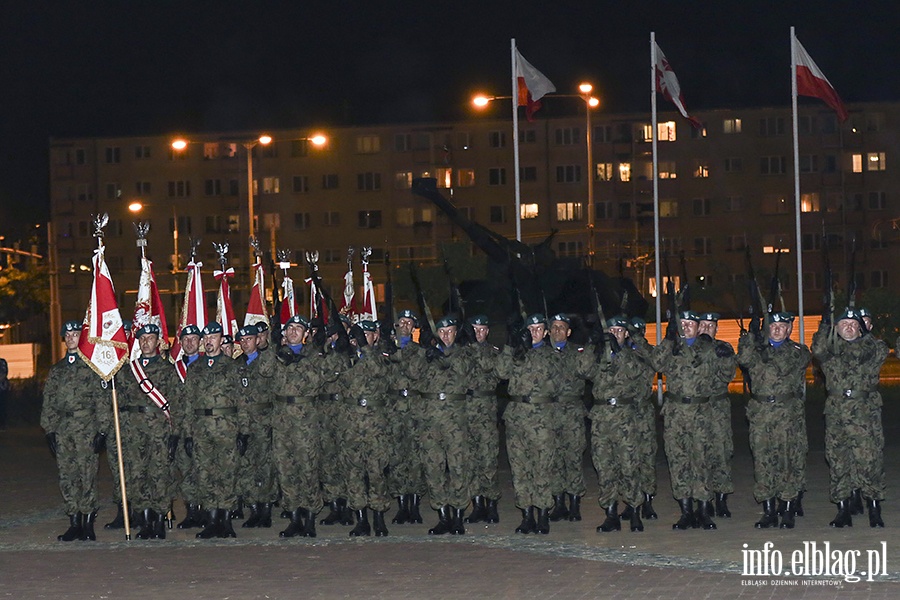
[146, 431]
[532, 370]
[256, 475]
[190, 344]
[73, 422]
[777, 368]
[407, 475]
[854, 437]
[722, 433]
[646, 440]
[695, 368]
[484, 436]
[621, 378]
[215, 429]
[571, 436]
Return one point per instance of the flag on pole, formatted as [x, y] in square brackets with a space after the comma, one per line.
[193, 312]
[148, 309]
[667, 85]
[103, 345]
[369, 310]
[224, 308]
[812, 82]
[256, 307]
[348, 299]
[317, 306]
[532, 86]
[289, 304]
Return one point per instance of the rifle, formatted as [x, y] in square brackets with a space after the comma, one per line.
[756, 304]
[387, 320]
[517, 317]
[828, 298]
[601, 331]
[455, 297]
[334, 324]
[851, 285]
[685, 290]
[427, 335]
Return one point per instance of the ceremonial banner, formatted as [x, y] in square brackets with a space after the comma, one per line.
[148, 309]
[193, 312]
[103, 345]
[256, 307]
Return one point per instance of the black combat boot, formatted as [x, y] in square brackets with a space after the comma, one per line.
[118, 521]
[309, 530]
[170, 515]
[647, 507]
[444, 521]
[686, 520]
[378, 525]
[875, 513]
[612, 521]
[402, 516]
[782, 505]
[479, 510]
[528, 524]
[159, 527]
[295, 527]
[787, 516]
[543, 521]
[193, 518]
[770, 515]
[559, 510]
[225, 528]
[627, 512]
[265, 515]
[704, 520]
[492, 516]
[722, 505]
[856, 502]
[75, 528]
[636, 523]
[149, 521]
[213, 526]
[574, 508]
[285, 514]
[334, 516]
[415, 516]
[87, 527]
[238, 513]
[457, 527]
[346, 512]
[798, 504]
[362, 524]
[253, 521]
[843, 518]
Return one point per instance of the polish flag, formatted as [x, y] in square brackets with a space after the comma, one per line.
[224, 308]
[193, 312]
[369, 310]
[256, 307]
[533, 85]
[148, 309]
[667, 85]
[812, 82]
[348, 304]
[103, 345]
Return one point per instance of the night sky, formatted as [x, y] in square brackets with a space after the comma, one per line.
[104, 68]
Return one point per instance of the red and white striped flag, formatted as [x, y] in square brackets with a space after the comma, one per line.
[667, 85]
[532, 86]
[148, 309]
[369, 310]
[103, 345]
[193, 312]
[256, 307]
[224, 308]
[812, 82]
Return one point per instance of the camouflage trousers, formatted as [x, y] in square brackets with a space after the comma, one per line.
[571, 442]
[366, 451]
[77, 466]
[688, 449]
[531, 446]
[216, 461]
[407, 475]
[443, 439]
[484, 447]
[854, 446]
[331, 475]
[295, 454]
[186, 477]
[647, 445]
[722, 443]
[145, 458]
[616, 452]
[778, 443]
[256, 471]
[803, 442]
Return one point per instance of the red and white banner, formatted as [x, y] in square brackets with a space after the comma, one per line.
[533, 85]
[812, 82]
[224, 308]
[103, 345]
[148, 309]
[667, 85]
[369, 311]
[314, 298]
[193, 312]
[348, 300]
[256, 307]
[289, 304]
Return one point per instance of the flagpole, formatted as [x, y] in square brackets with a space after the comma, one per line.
[659, 390]
[125, 511]
[798, 232]
[515, 138]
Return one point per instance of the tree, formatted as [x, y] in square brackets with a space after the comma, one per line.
[23, 294]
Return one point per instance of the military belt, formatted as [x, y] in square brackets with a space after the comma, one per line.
[535, 398]
[83, 412]
[773, 398]
[299, 399]
[686, 399]
[407, 393]
[327, 397]
[261, 406]
[614, 401]
[718, 397]
[215, 412]
[570, 399]
[364, 402]
[443, 396]
[851, 394]
[134, 409]
[482, 393]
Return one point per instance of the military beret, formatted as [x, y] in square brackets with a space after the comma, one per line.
[70, 326]
[227, 339]
[710, 316]
[408, 314]
[480, 320]
[368, 325]
[851, 313]
[447, 321]
[638, 322]
[297, 320]
[782, 317]
[561, 317]
[212, 328]
[345, 319]
[261, 326]
[864, 312]
[148, 329]
[689, 315]
[190, 330]
[247, 330]
[617, 321]
[536, 319]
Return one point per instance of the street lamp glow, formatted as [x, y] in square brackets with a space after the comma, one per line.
[179, 144]
[265, 140]
[480, 101]
[593, 102]
[318, 139]
[135, 207]
[585, 88]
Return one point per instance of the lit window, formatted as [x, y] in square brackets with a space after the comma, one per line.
[857, 164]
[875, 161]
[465, 177]
[445, 178]
[604, 172]
[624, 171]
[568, 211]
[666, 131]
[776, 241]
[667, 169]
[701, 170]
[210, 151]
[529, 211]
[809, 202]
[732, 126]
[271, 185]
[405, 217]
[668, 208]
[368, 144]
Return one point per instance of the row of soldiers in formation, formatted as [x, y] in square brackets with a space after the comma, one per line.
[349, 421]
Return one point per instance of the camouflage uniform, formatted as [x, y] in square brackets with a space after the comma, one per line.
[484, 437]
[186, 477]
[571, 435]
[404, 409]
[721, 433]
[777, 438]
[73, 410]
[332, 476]
[256, 472]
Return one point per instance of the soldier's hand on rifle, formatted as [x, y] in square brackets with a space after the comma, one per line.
[388, 346]
[285, 355]
[426, 338]
[359, 336]
[172, 446]
[241, 443]
[723, 350]
[466, 335]
[52, 443]
[189, 446]
[342, 344]
[318, 340]
[433, 353]
[671, 331]
[98, 444]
